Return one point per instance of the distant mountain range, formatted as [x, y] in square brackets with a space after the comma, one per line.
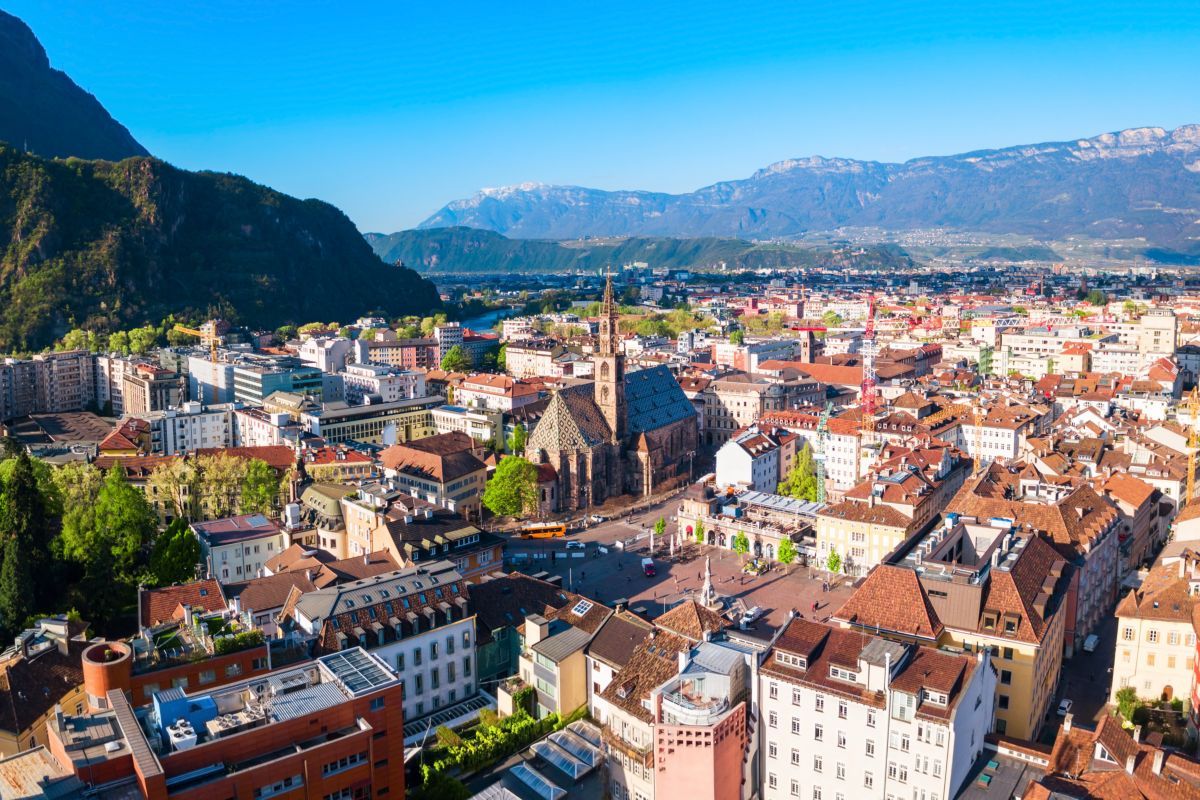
[464, 250]
[1142, 182]
[44, 112]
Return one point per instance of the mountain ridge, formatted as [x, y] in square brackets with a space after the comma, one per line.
[1139, 182]
[42, 110]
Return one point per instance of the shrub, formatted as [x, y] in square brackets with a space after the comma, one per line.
[1127, 702]
[239, 641]
[447, 737]
[488, 716]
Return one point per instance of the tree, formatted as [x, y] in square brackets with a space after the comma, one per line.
[786, 553]
[119, 342]
[660, 527]
[219, 483]
[834, 562]
[801, 481]
[260, 488]
[173, 485]
[699, 532]
[1127, 702]
[456, 360]
[26, 516]
[832, 319]
[516, 442]
[1097, 298]
[285, 333]
[502, 357]
[741, 544]
[440, 786]
[512, 489]
[737, 337]
[176, 554]
[16, 588]
[143, 339]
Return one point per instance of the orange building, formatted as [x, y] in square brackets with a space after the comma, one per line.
[325, 728]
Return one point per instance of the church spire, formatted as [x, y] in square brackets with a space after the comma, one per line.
[608, 319]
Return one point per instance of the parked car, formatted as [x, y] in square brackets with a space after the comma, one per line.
[751, 616]
[1090, 643]
[576, 545]
[1064, 707]
[648, 567]
[597, 519]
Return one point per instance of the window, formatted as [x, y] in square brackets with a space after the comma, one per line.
[841, 771]
[937, 768]
[1005, 677]
[772, 750]
[773, 690]
[818, 761]
[841, 739]
[843, 709]
[773, 720]
[207, 676]
[1002, 701]
[795, 725]
[795, 788]
[466, 666]
[772, 780]
[816, 793]
[1173, 637]
[433, 650]
[344, 763]
[1152, 636]
[1127, 634]
[795, 756]
[419, 683]
[871, 718]
[818, 733]
[870, 748]
[400, 662]
[417, 657]
[868, 780]
[820, 701]
[1007, 653]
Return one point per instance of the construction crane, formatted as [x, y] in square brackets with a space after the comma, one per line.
[867, 403]
[207, 334]
[978, 412]
[819, 455]
[1193, 405]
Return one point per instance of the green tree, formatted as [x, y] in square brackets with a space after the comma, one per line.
[516, 442]
[801, 480]
[660, 528]
[1097, 298]
[260, 488]
[172, 486]
[1127, 702]
[176, 554]
[502, 357]
[16, 588]
[456, 360]
[786, 553]
[741, 544]
[832, 319]
[699, 532]
[28, 503]
[737, 337]
[219, 484]
[285, 333]
[512, 488]
[440, 786]
[119, 343]
[143, 339]
[834, 562]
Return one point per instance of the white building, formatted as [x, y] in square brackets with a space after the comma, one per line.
[209, 382]
[481, 425]
[191, 427]
[418, 620]
[846, 715]
[495, 393]
[254, 427]
[327, 353]
[381, 384]
[758, 459]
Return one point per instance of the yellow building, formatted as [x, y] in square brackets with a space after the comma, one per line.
[968, 585]
[552, 660]
[44, 668]
[1156, 640]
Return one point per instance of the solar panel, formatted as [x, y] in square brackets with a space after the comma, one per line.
[357, 671]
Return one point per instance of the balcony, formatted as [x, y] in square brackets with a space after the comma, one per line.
[679, 708]
[613, 742]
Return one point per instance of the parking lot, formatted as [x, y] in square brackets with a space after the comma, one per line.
[606, 571]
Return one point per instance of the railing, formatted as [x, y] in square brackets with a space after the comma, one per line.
[689, 712]
[614, 741]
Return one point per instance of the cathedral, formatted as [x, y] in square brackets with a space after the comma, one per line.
[632, 433]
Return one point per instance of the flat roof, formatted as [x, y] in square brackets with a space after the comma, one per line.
[358, 672]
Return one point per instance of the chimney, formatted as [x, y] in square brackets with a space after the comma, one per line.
[1137, 733]
[1069, 719]
[1130, 763]
[1156, 765]
[683, 660]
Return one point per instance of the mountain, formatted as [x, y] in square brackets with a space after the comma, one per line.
[110, 245]
[43, 111]
[459, 250]
[1142, 182]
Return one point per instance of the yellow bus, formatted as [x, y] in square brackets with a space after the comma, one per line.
[544, 530]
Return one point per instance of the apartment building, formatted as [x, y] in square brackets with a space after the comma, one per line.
[326, 728]
[190, 427]
[480, 425]
[747, 357]
[738, 401]
[110, 381]
[908, 488]
[1156, 636]
[330, 354]
[147, 388]
[1076, 521]
[208, 381]
[972, 586]
[418, 621]
[47, 383]
[253, 382]
[388, 350]
[375, 383]
[850, 715]
[495, 393]
[844, 465]
[757, 458]
[236, 548]
[441, 469]
[50, 649]
[532, 359]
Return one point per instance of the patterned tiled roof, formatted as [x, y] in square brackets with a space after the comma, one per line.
[572, 422]
[655, 399]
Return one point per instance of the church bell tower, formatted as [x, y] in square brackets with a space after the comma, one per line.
[610, 368]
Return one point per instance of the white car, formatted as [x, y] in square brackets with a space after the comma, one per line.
[597, 519]
[751, 616]
[1090, 643]
[576, 545]
[1064, 707]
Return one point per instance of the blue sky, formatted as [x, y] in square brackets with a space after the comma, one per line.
[390, 110]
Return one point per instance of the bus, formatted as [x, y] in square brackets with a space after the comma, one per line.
[544, 530]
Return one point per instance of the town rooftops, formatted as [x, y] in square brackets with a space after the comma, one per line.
[166, 604]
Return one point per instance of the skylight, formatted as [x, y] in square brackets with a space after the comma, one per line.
[581, 608]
